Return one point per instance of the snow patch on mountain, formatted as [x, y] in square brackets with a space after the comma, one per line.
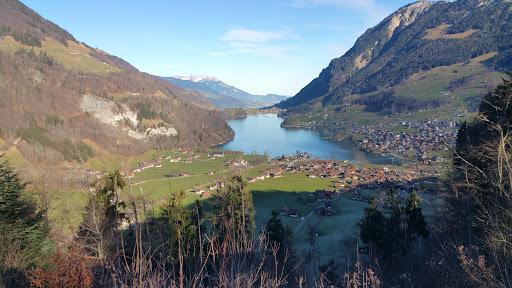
[197, 78]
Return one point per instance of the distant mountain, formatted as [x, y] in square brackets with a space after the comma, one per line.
[64, 102]
[397, 66]
[222, 94]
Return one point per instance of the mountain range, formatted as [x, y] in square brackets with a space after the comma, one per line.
[64, 102]
[222, 94]
[427, 55]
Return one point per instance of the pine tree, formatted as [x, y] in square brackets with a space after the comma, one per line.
[235, 212]
[372, 227]
[23, 232]
[282, 238]
[97, 232]
[415, 221]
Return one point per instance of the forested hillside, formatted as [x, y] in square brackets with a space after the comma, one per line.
[49, 82]
[416, 38]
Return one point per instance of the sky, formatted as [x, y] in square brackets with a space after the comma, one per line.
[262, 47]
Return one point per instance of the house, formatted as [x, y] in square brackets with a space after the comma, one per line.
[210, 172]
[145, 165]
[319, 194]
[175, 159]
[184, 174]
[218, 154]
[311, 201]
[293, 212]
[339, 185]
[205, 195]
[199, 191]
[331, 194]
[284, 211]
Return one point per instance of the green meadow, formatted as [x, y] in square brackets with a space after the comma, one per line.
[291, 190]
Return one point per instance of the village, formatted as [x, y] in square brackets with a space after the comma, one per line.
[428, 137]
[346, 178]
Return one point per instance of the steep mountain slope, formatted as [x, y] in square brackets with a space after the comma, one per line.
[415, 39]
[222, 94]
[57, 95]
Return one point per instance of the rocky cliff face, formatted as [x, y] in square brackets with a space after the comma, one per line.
[59, 94]
[417, 37]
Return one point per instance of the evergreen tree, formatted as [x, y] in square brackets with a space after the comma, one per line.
[480, 186]
[23, 232]
[415, 221]
[389, 232]
[234, 212]
[97, 232]
[282, 238]
[179, 222]
[372, 227]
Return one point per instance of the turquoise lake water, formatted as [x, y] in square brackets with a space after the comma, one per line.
[262, 133]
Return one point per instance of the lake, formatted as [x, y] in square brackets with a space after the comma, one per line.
[262, 133]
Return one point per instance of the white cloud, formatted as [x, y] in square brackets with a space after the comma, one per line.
[216, 53]
[247, 35]
[275, 51]
[257, 42]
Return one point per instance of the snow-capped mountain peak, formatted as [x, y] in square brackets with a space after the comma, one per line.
[197, 78]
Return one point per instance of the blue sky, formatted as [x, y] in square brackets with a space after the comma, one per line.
[260, 46]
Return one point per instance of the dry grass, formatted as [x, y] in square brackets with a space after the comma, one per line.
[73, 57]
[440, 33]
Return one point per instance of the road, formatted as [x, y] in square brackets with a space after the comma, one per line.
[309, 215]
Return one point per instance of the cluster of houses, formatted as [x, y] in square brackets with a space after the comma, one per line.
[349, 180]
[236, 162]
[430, 135]
[206, 193]
[274, 172]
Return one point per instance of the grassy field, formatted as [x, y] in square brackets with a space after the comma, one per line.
[292, 190]
[74, 57]
[65, 211]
